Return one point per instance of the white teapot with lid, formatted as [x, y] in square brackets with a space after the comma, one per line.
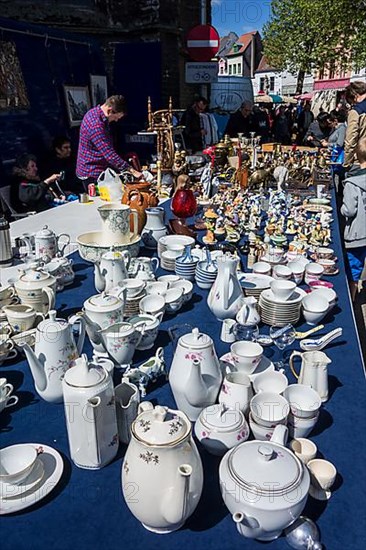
[46, 243]
[36, 288]
[55, 350]
[90, 412]
[101, 311]
[162, 461]
[264, 486]
[195, 376]
[112, 269]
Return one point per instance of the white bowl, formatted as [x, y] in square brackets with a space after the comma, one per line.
[262, 433]
[304, 401]
[327, 293]
[282, 289]
[315, 303]
[269, 409]
[152, 304]
[16, 463]
[91, 250]
[187, 287]
[174, 299]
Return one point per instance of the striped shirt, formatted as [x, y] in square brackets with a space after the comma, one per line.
[96, 152]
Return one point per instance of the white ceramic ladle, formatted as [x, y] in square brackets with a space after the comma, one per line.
[317, 344]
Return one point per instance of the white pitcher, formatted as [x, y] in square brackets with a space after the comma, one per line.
[90, 414]
[226, 296]
[248, 314]
[314, 371]
[116, 223]
[154, 227]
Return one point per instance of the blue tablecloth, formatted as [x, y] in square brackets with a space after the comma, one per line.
[87, 511]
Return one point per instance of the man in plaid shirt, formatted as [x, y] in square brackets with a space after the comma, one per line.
[96, 152]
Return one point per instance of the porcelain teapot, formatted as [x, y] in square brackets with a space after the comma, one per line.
[47, 243]
[90, 414]
[264, 486]
[36, 288]
[55, 350]
[314, 371]
[195, 376]
[101, 311]
[112, 269]
[162, 461]
[248, 314]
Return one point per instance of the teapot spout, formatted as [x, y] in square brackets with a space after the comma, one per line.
[196, 390]
[36, 367]
[99, 278]
[175, 503]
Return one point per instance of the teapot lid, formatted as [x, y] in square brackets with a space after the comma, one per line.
[34, 274]
[52, 325]
[161, 426]
[45, 232]
[196, 339]
[221, 419]
[84, 374]
[112, 254]
[106, 301]
[262, 467]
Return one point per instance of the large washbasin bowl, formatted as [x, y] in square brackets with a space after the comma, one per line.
[91, 250]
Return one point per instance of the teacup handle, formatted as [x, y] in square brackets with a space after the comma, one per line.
[157, 263]
[13, 353]
[14, 399]
[9, 388]
[9, 345]
[291, 361]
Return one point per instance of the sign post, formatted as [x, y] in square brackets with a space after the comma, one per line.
[203, 42]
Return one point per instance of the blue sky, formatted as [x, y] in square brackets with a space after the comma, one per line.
[240, 16]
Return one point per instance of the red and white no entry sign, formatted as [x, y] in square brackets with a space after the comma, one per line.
[203, 42]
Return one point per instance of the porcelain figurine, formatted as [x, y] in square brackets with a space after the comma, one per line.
[90, 414]
[55, 350]
[162, 461]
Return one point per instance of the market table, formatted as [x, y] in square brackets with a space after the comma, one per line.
[86, 509]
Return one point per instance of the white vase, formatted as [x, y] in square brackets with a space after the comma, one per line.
[226, 296]
[154, 227]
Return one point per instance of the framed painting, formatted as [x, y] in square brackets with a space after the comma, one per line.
[77, 103]
[98, 87]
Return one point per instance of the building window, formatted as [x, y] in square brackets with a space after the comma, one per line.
[239, 68]
[321, 74]
[230, 69]
[234, 68]
[13, 93]
[272, 84]
[331, 72]
[261, 84]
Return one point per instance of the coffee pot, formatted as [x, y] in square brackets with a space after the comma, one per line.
[112, 268]
[55, 350]
[101, 311]
[90, 414]
[313, 372]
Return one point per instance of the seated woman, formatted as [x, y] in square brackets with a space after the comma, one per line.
[28, 191]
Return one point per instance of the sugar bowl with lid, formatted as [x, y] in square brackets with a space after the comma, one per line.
[264, 486]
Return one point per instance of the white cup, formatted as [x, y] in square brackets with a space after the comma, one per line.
[246, 356]
[5, 388]
[282, 272]
[304, 401]
[9, 401]
[313, 272]
[269, 409]
[282, 290]
[297, 269]
[275, 254]
[304, 449]
[271, 381]
[22, 317]
[236, 391]
[322, 476]
[315, 302]
[152, 304]
[262, 268]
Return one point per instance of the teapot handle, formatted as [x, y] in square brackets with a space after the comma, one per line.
[135, 217]
[127, 257]
[92, 406]
[51, 297]
[291, 361]
[81, 337]
[64, 245]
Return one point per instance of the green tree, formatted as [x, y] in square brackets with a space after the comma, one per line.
[304, 35]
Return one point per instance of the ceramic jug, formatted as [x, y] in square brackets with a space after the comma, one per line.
[163, 463]
[116, 224]
[47, 243]
[139, 196]
[144, 268]
[55, 350]
[248, 314]
[313, 372]
[127, 402]
[154, 227]
[112, 269]
[120, 341]
[226, 296]
[195, 376]
[90, 414]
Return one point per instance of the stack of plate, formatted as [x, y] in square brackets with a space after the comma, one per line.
[274, 311]
[182, 240]
[254, 283]
[132, 305]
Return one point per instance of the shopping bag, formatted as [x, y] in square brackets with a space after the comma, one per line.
[110, 186]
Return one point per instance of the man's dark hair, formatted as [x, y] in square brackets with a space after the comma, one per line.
[323, 117]
[201, 98]
[59, 141]
[354, 89]
[340, 116]
[117, 103]
[21, 164]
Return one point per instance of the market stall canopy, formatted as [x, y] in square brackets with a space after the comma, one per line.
[307, 97]
[288, 99]
[263, 98]
[276, 98]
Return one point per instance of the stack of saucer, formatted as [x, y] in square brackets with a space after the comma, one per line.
[254, 283]
[276, 311]
[132, 305]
